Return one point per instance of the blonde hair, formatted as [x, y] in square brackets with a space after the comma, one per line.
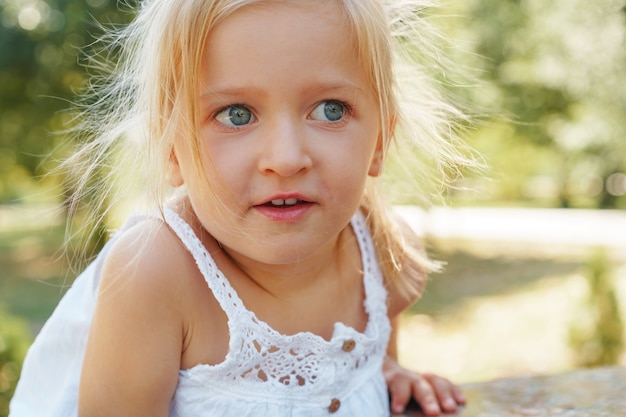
[132, 114]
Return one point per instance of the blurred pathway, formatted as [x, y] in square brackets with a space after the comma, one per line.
[545, 229]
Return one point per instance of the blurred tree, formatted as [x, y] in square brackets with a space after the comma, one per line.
[40, 71]
[556, 69]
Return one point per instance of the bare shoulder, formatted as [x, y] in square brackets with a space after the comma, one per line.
[150, 272]
[146, 258]
[136, 338]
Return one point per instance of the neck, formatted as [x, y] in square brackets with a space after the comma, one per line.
[288, 281]
[338, 257]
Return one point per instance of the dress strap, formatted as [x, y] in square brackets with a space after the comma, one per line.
[375, 302]
[224, 293]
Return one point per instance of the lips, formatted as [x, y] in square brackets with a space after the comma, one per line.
[284, 202]
[283, 208]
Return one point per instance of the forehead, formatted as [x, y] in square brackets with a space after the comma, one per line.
[283, 39]
[267, 14]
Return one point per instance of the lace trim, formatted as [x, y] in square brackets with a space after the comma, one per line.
[258, 353]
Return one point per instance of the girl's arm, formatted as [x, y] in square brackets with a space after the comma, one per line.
[133, 354]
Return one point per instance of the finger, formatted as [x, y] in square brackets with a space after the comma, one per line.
[424, 394]
[400, 395]
[458, 395]
[445, 391]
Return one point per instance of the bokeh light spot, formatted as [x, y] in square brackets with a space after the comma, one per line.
[616, 184]
[29, 18]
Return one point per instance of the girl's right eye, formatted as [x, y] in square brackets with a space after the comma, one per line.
[235, 116]
[329, 111]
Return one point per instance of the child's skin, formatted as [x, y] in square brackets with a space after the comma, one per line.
[287, 113]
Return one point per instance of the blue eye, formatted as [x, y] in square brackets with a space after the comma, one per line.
[329, 111]
[235, 116]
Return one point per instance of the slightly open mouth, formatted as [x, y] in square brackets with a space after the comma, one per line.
[284, 203]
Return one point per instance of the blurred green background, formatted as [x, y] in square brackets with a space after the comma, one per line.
[550, 76]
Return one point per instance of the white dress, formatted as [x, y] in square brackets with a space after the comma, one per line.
[265, 373]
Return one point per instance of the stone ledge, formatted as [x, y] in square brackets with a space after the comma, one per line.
[599, 392]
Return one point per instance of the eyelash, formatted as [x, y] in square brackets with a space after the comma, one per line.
[348, 112]
[214, 116]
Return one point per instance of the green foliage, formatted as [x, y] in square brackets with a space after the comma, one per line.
[551, 77]
[597, 338]
[14, 341]
[553, 73]
[41, 68]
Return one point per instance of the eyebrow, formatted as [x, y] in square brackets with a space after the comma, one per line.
[231, 91]
[240, 90]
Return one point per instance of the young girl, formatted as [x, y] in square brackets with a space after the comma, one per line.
[270, 285]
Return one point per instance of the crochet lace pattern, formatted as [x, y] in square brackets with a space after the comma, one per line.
[263, 363]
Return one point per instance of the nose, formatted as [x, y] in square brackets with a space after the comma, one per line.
[284, 148]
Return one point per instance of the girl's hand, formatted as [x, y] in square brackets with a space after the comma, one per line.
[433, 393]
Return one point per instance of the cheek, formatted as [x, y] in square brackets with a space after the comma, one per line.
[349, 176]
[222, 163]
[352, 156]
[223, 154]
[227, 173]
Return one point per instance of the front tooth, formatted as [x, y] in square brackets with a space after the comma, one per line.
[291, 201]
[278, 202]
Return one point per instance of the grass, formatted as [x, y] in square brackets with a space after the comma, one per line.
[491, 315]
[34, 272]
[467, 276]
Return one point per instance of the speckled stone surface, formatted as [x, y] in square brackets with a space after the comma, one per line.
[599, 392]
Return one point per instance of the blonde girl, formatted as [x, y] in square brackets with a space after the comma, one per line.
[270, 284]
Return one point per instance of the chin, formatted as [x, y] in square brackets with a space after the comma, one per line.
[284, 257]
